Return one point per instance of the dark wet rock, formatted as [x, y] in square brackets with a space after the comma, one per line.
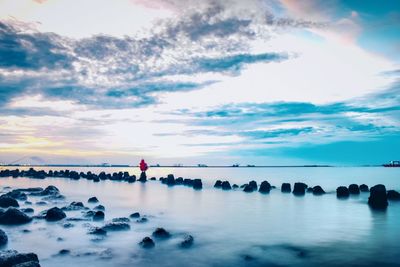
[93, 200]
[161, 233]
[299, 189]
[265, 187]
[378, 198]
[64, 252]
[226, 185]
[179, 180]
[3, 238]
[31, 190]
[59, 239]
[135, 215]
[89, 213]
[147, 242]
[235, 186]
[121, 219]
[188, 181]
[218, 184]
[17, 194]
[68, 225]
[14, 216]
[74, 206]
[11, 258]
[55, 214]
[41, 203]
[286, 188]
[342, 192]
[393, 195]
[116, 226]
[170, 180]
[248, 188]
[153, 179]
[197, 184]
[354, 189]
[25, 231]
[50, 190]
[99, 207]
[253, 184]
[244, 185]
[364, 188]
[143, 177]
[28, 203]
[142, 220]
[27, 210]
[187, 241]
[310, 190]
[98, 216]
[317, 190]
[97, 231]
[7, 201]
[132, 179]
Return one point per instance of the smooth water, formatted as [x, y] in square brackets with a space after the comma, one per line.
[230, 228]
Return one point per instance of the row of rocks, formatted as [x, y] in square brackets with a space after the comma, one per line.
[171, 181]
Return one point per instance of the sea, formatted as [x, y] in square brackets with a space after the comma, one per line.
[230, 228]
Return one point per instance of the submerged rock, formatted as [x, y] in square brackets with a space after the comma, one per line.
[364, 188]
[161, 233]
[286, 188]
[218, 184]
[3, 238]
[11, 258]
[74, 206]
[197, 184]
[142, 220]
[378, 198]
[299, 189]
[248, 188]
[317, 190]
[14, 216]
[50, 190]
[27, 210]
[93, 200]
[97, 231]
[187, 241]
[55, 214]
[226, 185]
[116, 226]
[121, 219]
[310, 190]
[234, 186]
[253, 184]
[98, 216]
[17, 194]
[147, 242]
[7, 201]
[135, 215]
[393, 195]
[265, 187]
[354, 189]
[99, 207]
[342, 192]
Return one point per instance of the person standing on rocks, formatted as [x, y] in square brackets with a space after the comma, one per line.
[143, 168]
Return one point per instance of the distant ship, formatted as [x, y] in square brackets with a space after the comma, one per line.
[393, 163]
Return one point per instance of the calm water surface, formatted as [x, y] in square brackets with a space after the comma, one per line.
[231, 228]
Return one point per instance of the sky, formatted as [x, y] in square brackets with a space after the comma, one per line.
[265, 82]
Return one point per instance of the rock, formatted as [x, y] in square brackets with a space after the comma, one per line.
[50, 190]
[310, 190]
[354, 189]
[142, 220]
[17, 194]
[364, 188]
[197, 184]
[317, 190]
[11, 258]
[253, 184]
[248, 189]
[97, 231]
[14, 216]
[188, 181]
[93, 200]
[68, 225]
[187, 241]
[3, 238]
[147, 242]
[161, 233]
[74, 206]
[393, 195]
[235, 186]
[179, 180]
[64, 252]
[153, 179]
[135, 215]
[170, 180]
[286, 188]
[100, 207]
[299, 189]
[218, 184]
[98, 216]
[121, 219]
[378, 198]
[342, 192]
[7, 201]
[27, 210]
[265, 187]
[55, 214]
[116, 226]
[41, 203]
[132, 179]
[226, 185]
[143, 177]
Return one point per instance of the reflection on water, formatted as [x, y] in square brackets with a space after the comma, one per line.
[231, 228]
